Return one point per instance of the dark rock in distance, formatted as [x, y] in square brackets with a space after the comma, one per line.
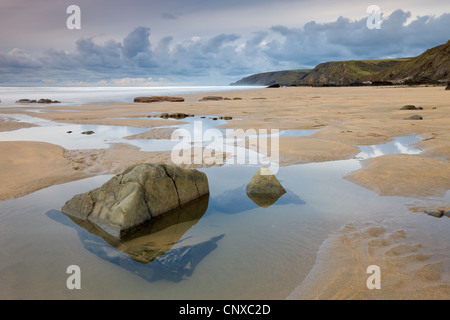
[436, 214]
[26, 101]
[275, 85]
[178, 115]
[37, 101]
[48, 101]
[158, 99]
[212, 98]
[448, 87]
[381, 83]
[409, 107]
[88, 132]
[414, 117]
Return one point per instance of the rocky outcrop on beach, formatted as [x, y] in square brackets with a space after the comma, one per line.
[438, 213]
[158, 99]
[448, 87]
[37, 101]
[264, 189]
[48, 101]
[177, 115]
[410, 107]
[140, 194]
[218, 98]
[415, 117]
[211, 98]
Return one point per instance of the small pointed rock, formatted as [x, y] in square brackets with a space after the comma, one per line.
[264, 188]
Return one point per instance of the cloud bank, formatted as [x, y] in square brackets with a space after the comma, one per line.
[223, 58]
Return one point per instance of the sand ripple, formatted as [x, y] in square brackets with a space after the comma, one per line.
[410, 267]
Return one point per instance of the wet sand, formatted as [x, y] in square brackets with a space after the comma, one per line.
[26, 167]
[409, 269]
[404, 175]
[346, 117]
[8, 124]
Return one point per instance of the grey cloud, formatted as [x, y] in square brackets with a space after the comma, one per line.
[136, 42]
[17, 59]
[228, 57]
[168, 16]
[91, 54]
[216, 43]
[346, 39]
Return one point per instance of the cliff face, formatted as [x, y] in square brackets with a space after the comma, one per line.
[284, 78]
[432, 66]
[346, 72]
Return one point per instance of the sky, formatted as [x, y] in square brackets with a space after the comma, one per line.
[203, 42]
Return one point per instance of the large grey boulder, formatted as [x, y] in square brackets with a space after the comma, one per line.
[141, 193]
[264, 189]
[161, 250]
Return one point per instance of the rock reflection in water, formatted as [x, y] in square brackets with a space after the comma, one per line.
[237, 200]
[264, 200]
[156, 251]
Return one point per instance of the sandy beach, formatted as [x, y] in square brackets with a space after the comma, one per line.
[346, 117]
[343, 119]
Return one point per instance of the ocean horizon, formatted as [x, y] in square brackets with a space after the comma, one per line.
[76, 95]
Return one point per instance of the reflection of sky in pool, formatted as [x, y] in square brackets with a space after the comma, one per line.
[262, 248]
[254, 241]
[57, 133]
[398, 145]
[104, 135]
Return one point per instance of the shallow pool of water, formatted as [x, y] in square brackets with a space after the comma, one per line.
[239, 250]
[72, 136]
[396, 146]
[232, 248]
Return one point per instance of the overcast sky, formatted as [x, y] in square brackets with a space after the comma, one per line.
[203, 42]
